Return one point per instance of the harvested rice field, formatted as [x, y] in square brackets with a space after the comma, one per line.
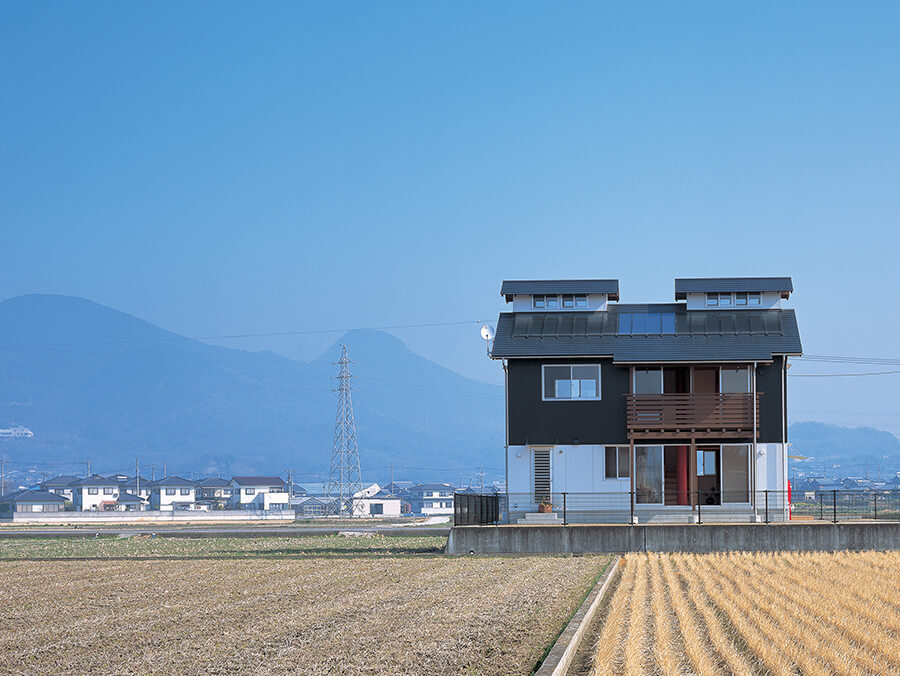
[390, 611]
[738, 613]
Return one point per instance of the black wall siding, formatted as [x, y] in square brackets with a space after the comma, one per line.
[537, 422]
[534, 421]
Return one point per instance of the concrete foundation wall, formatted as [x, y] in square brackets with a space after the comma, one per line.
[615, 539]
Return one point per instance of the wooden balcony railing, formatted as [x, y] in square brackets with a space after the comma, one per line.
[656, 415]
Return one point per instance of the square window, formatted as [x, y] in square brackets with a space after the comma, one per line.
[754, 299]
[170, 491]
[93, 491]
[740, 299]
[107, 491]
[712, 299]
[580, 300]
[552, 302]
[185, 491]
[724, 300]
[568, 301]
[538, 302]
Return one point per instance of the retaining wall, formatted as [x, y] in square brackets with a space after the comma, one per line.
[616, 539]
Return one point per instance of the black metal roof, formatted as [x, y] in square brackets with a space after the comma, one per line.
[258, 480]
[699, 335]
[782, 285]
[61, 480]
[213, 482]
[127, 497]
[95, 480]
[173, 481]
[531, 286]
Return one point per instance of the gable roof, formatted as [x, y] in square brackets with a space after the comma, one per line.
[258, 480]
[173, 481]
[782, 285]
[128, 497]
[697, 335]
[213, 482]
[29, 496]
[95, 480]
[512, 287]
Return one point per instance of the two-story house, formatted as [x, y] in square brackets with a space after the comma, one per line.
[60, 485]
[431, 499]
[259, 492]
[648, 409]
[214, 492]
[172, 493]
[94, 493]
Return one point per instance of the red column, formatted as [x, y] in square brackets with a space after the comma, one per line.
[682, 475]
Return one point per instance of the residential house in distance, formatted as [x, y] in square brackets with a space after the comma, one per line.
[659, 408]
[259, 492]
[431, 499]
[137, 487]
[31, 501]
[373, 501]
[172, 493]
[94, 493]
[310, 506]
[60, 485]
[214, 492]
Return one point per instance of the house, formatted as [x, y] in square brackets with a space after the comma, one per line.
[376, 502]
[214, 492]
[259, 492]
[308, 506]
[137, 486]
[60, 485]
[128, 502]
[652, 408]
[31, 501]
[94, 493]
[172, 493]
[431, 499]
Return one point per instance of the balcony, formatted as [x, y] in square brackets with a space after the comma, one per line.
[655, 416]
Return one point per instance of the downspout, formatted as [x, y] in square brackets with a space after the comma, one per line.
[755, 449]
[784, 457]
[506, 434]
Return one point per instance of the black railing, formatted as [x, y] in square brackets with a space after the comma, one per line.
[696, 507]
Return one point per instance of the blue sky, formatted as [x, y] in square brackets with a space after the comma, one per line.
[226, 168]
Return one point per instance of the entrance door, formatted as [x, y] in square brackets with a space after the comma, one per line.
[708, 475]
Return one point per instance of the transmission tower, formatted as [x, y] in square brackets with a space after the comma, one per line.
[344, 480]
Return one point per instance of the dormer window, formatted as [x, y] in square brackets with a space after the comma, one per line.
[578, 300]
[549, 302]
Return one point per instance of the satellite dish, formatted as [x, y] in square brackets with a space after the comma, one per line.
[487, 332]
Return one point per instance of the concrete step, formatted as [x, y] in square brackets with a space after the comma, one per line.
[539, 518]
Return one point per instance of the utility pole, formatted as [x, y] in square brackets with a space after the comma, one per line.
[89, 467]
[137, 477]
[165, 473]
[2, 476]
[481, 474]
[345, 478]
[153, 472]
[391, 492]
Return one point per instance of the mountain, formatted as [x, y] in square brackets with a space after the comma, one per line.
[94, 382]
[854, 449]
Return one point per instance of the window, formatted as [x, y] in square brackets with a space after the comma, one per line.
[549, 302]
[249, 491]
[736, 380]
[578, 300]
[740, 299]
[712, 300]
[648, 474]
[648, 381]
[754, 298]
[375, 509]
[572, 382]
[736, 473]
[93, 491]
[107, 491]
[618, 462]
[725, 300]
[185, 491]
[170, 491]
[706, 463]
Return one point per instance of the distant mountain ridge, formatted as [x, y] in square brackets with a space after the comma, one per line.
[95, 382]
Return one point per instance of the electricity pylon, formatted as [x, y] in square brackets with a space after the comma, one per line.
[345, 479]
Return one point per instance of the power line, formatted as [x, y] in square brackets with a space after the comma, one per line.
[841, 375]
[837, 359]
[271, 334]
